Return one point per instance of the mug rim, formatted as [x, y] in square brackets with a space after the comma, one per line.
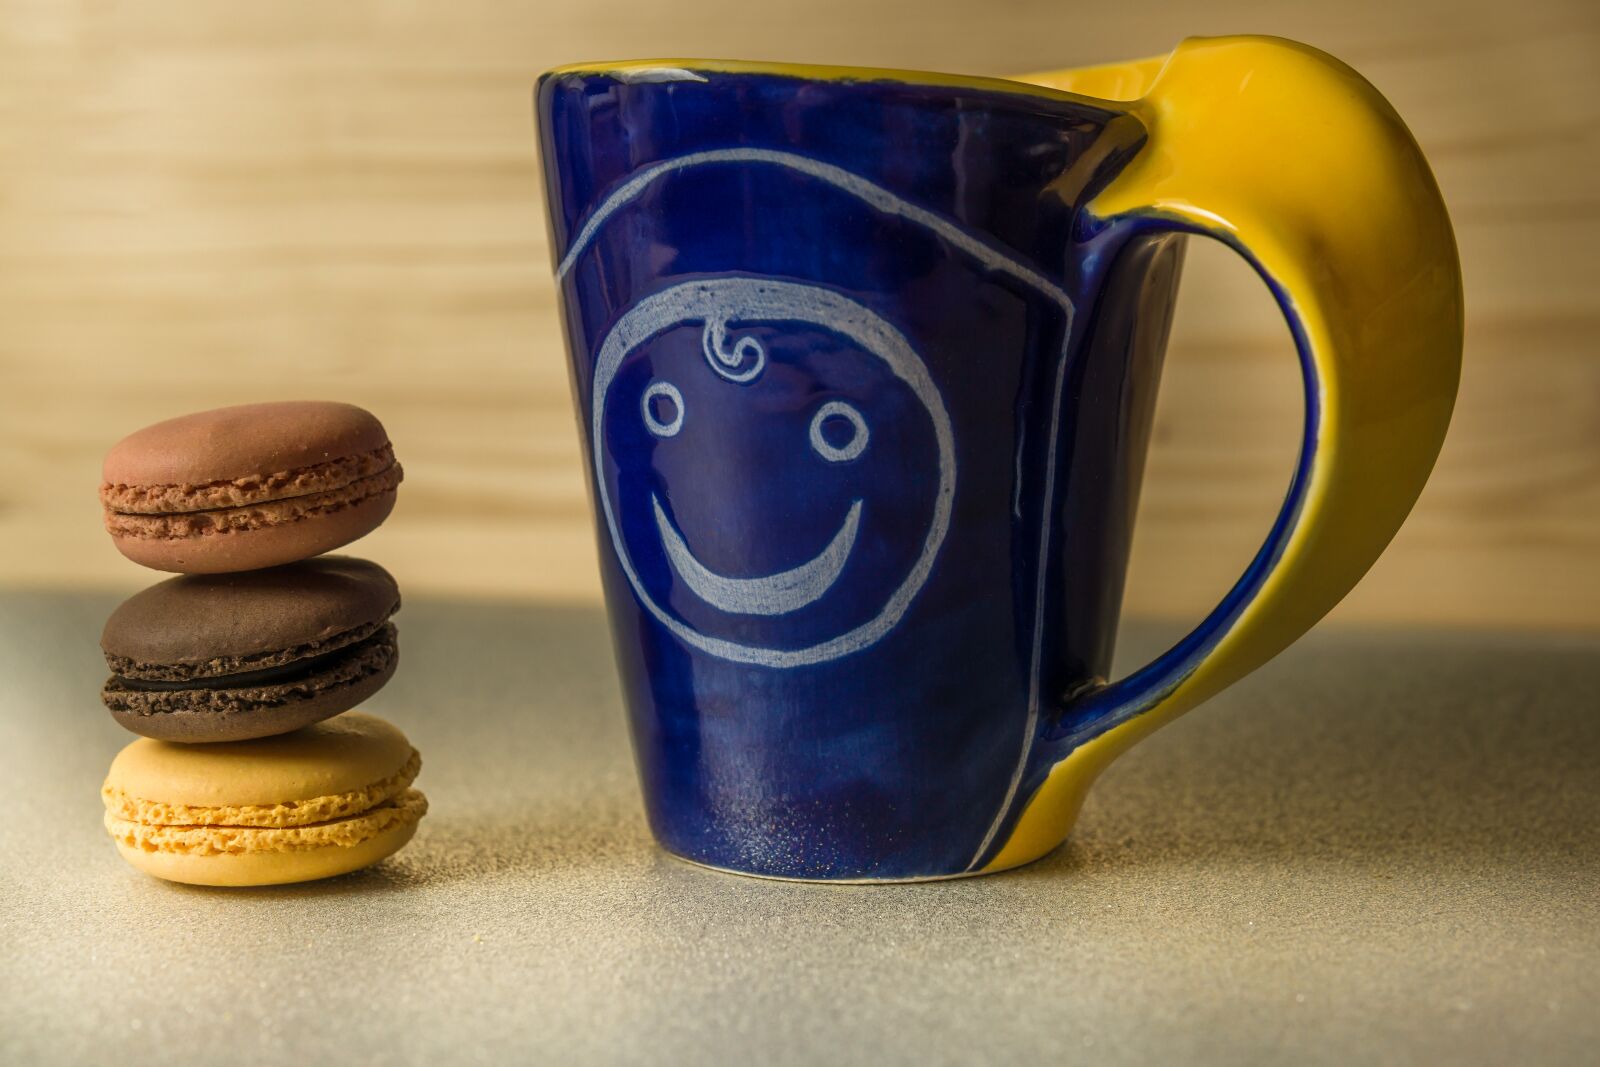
[669, 70]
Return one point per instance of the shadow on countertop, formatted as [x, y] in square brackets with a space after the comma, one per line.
[1365, 747]
[1371, 750]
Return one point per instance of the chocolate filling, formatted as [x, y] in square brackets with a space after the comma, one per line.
[286, 672]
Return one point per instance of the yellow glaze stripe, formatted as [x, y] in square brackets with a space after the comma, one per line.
[1295, 160]
[1128, 80]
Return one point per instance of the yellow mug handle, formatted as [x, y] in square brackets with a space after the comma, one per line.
[1296, 161]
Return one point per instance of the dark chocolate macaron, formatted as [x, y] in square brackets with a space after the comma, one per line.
[228, 657]
[240, 488]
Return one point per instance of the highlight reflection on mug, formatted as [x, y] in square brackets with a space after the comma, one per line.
[839, 433]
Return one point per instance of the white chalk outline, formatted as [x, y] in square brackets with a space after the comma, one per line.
[773, 594]
[655, 425]
[767, 300]
[950, 232]
[858, 437]
[725, 361]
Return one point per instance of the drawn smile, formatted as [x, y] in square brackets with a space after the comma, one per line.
[774, 594]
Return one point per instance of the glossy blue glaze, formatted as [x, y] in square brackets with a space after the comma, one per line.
[864, 401]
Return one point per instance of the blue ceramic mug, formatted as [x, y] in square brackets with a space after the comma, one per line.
[864, 365]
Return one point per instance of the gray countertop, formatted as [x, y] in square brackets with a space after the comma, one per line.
[1384, 846]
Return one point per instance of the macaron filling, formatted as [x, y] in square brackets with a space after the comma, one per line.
[257, 515]
[125, 807]
[336, 821]
[152, 689]
[250, 489]
[214, 840]
[274, 675]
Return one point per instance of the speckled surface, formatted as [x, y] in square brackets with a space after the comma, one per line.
[1384, 847]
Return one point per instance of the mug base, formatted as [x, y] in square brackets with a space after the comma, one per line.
[912, 880]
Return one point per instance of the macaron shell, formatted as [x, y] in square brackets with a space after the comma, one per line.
[242, 441]
[268, 868]
[196, 620]
[204, 724]
[344, 754]
[265, 546]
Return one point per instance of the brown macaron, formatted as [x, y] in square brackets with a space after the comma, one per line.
[229, 657]
[245, 487]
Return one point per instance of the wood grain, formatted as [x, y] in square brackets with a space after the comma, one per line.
[204, 203]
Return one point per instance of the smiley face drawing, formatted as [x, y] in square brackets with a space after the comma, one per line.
[762, 414]
[723, 613]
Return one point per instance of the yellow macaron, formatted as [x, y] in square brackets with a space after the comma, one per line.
[324, 800]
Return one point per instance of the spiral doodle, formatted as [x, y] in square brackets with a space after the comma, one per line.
[725, 361]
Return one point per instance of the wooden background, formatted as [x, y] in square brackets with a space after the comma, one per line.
[207, 203]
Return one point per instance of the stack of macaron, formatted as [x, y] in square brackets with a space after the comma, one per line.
[241, 672]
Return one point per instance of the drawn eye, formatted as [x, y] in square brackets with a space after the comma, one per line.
[838, 432]
[662, 407]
